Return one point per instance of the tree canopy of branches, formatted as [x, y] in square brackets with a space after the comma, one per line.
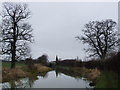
[43, 59]
[101, 36]
[16, 31]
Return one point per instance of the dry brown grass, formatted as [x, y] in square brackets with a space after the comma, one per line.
[13, 74]
[94, 74]
[41, 68]
[0, 77]
[91, 74]
[21, 72]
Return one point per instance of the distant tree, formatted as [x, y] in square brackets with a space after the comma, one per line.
[56, 58]
[101, 36]
[16, 31]
[77, 58]
[43, 59]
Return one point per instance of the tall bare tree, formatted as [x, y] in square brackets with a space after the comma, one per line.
[16, 31]
[101, 36]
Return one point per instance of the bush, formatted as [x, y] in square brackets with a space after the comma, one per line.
[43, 59]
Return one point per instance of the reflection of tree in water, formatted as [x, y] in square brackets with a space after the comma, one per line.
[57, 73]
[12, 84]
[23, 83]
[5, 85]
[74, 75]
[44, 75]
[68, 72]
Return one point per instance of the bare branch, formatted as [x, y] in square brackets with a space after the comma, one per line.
[101, 36]
[15, 30]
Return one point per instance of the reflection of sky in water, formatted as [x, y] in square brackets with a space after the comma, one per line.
[51, 81]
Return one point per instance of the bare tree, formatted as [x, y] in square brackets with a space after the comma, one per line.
[101, 36]
[43, 59]
[16, 31]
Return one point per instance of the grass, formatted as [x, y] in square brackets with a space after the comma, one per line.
[41, 69]
[107, 80]
[90, 74]
[21, 70]
[8, 64]
[0, 72]
[102, 79]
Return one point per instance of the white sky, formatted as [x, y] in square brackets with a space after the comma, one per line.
[56, 25]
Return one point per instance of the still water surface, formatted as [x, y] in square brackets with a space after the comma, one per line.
[50, 80]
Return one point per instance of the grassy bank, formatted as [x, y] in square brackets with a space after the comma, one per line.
[90, 74]
[21, 71]
[8, 64]
[108, 80]
[101, 79]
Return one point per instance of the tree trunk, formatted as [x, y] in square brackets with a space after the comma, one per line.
[103, 56]
[13, 55]
[14, 46]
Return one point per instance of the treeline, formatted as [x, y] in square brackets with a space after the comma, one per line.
[112, 63]
[69, 62]
[42, 59]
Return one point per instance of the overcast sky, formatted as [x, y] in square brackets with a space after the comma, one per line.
[56, 25]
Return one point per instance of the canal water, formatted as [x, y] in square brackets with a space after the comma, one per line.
[51, 79]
